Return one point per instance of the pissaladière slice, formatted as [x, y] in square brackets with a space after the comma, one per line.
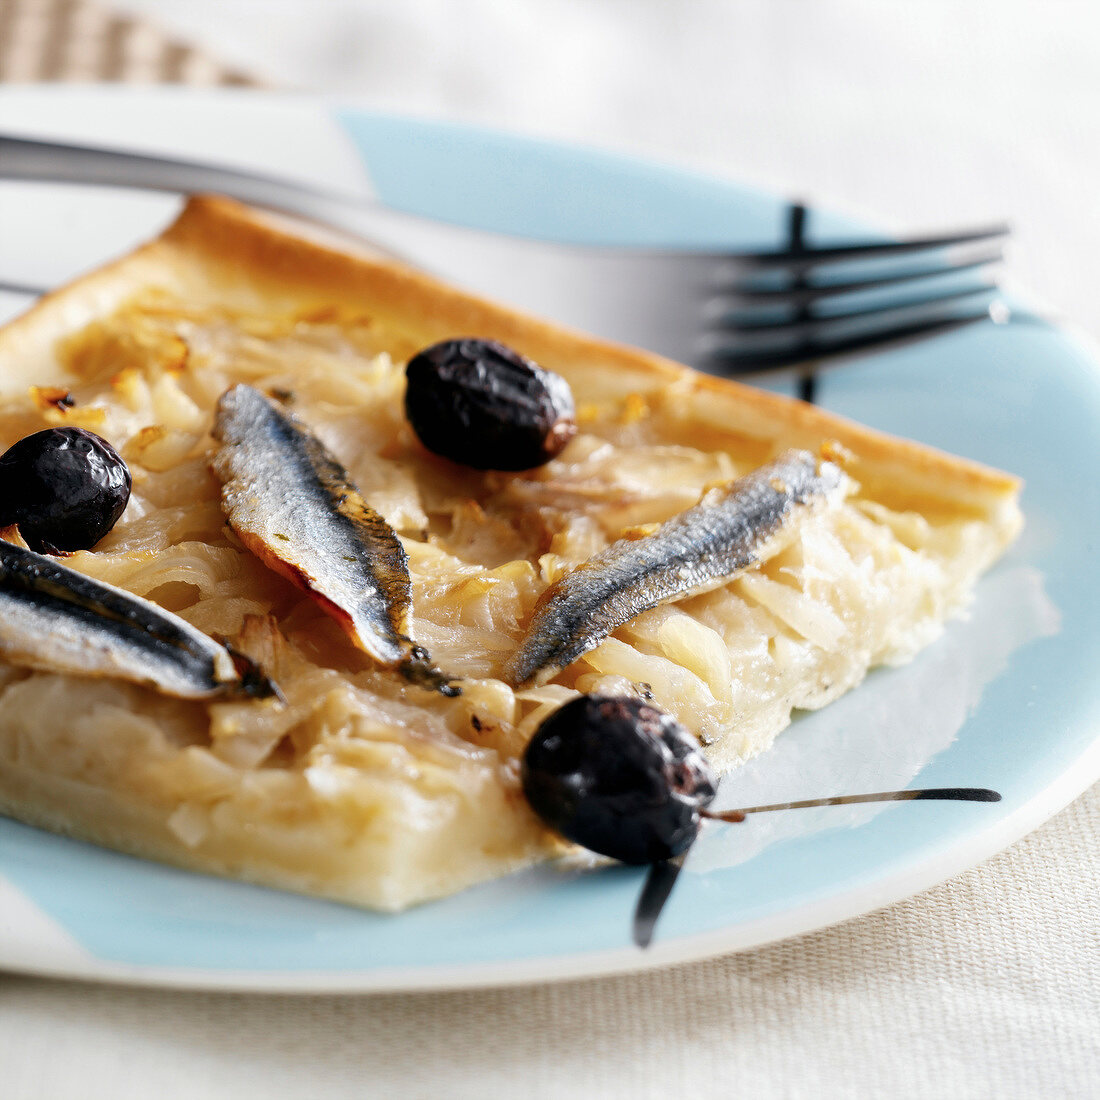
[364, 787]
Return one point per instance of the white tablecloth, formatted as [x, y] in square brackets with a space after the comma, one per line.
[920, 115]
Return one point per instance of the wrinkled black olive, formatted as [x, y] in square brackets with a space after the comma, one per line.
[482, 404]
[64, 487]
[619, 777]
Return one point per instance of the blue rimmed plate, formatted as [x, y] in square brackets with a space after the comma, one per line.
[1009, 698]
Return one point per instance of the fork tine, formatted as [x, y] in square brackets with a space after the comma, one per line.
[803, 259]
[806, 294]
[806, 325]
[811, 354]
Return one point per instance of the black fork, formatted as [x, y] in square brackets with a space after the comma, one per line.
[802, 314]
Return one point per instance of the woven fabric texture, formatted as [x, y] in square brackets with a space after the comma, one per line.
[71, 40]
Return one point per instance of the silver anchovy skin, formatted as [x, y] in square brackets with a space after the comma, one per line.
[295, 507]
[58, 620]
[728, 530]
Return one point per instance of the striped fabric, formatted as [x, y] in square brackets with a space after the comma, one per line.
[72, 40]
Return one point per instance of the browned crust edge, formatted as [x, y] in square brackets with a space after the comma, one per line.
[224, 242]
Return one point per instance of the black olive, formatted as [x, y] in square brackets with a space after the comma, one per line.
[482, 404]
[64, 487]
[618, 776]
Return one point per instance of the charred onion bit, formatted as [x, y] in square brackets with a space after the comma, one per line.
[619, 777]
[64, 487]
[480, 403]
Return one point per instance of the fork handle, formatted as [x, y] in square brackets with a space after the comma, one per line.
[61, 162]
[368, 222]
[484, 262]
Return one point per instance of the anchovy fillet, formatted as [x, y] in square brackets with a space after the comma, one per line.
[56, 619]
[295, 507]
[730, 529]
